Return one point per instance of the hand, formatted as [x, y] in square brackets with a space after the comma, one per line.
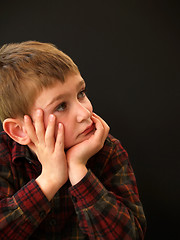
[50, 152]
[78, 155]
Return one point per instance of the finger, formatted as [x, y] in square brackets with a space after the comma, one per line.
[39, 125]
[105, 125]
[59, 144]
[50, 132]
[30, 130]
[101, 127]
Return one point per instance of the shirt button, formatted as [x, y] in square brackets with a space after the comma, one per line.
[74, 199]
[53, 222]
[42, 214]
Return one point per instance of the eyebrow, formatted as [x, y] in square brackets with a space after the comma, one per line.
[61, 96]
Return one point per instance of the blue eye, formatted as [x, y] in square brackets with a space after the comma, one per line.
[82, 94]
[61, 107]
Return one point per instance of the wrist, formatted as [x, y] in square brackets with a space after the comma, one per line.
[76, 173]
[49, 186]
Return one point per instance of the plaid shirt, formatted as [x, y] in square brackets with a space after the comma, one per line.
[103, 205]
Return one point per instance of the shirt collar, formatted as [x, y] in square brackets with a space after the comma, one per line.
[20, 152]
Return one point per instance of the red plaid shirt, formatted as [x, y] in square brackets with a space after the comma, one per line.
[103, 205]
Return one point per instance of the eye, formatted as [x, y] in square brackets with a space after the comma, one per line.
[61, 107]
[82, 94]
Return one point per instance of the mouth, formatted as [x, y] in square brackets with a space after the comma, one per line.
[88, 130]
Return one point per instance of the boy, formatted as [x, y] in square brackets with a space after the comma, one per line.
[62, 176]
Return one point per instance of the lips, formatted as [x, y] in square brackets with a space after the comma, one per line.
[88, 129]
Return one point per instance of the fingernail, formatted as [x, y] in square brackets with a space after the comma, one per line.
[38, 112]
[25, 117]
[51, 117]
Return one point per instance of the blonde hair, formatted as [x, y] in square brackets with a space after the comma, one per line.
[25, 69]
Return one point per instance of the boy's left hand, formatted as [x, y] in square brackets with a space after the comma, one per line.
[78, 155]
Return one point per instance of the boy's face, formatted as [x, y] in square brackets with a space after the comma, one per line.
[69, 103]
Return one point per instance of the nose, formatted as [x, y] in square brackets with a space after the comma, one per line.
[83, 112]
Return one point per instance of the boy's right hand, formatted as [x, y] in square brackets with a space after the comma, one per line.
[50, 152]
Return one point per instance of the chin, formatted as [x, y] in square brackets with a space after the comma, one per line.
[70, 145]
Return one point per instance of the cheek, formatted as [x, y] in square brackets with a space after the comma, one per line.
[45, 122]
[68, 137]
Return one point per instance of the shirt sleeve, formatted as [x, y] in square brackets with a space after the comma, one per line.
[21, 213]
[110, 208]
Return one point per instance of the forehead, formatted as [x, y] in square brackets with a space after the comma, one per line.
[58, 90]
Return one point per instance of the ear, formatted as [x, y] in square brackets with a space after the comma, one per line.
[14, 128]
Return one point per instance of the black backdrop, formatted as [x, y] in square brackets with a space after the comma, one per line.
[128, 53]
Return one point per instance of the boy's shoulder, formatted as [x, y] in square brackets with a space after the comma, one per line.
[112, 142]
[110, 158]
[112, 146]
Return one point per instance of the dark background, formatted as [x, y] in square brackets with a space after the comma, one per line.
[128, 53]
